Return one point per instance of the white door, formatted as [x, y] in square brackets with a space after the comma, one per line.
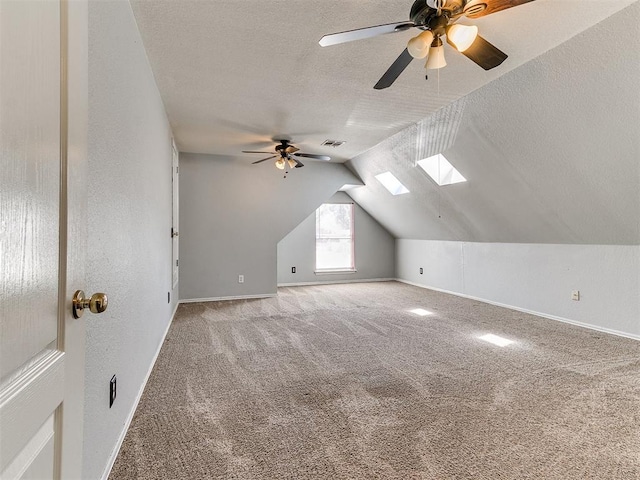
[43, 122]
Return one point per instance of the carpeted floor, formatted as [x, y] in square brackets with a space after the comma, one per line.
[344, 382]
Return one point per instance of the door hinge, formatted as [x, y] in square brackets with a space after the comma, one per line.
[176, 263]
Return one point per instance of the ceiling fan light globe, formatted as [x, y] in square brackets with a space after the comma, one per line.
[280, 163]
[418, 46]
[436, 59]
[291, 163]
[462, 36]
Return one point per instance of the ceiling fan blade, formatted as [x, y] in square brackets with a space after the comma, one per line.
[361, 33]
[473, 8]
[291, 149]
[310, 155]
[253, 151]
[299, 164]
[483, 53]
[264, 159]
[394, 70]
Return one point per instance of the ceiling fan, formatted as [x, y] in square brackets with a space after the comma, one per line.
[436, 19]
[286, 154]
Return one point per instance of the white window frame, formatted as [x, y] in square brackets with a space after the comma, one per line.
[352, 268]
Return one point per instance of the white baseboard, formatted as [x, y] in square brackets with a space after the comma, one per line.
[219, 299]
[330, 282]
[116, 450]
[531, 312]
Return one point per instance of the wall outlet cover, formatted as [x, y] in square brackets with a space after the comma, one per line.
[575, 295]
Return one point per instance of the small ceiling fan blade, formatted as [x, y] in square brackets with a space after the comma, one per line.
[362, 33]
[394, 70]
[291, 149]
[484, 53]
[310, 155]
[299, 164]
[253, 151]
[473, 8]
[264, 159]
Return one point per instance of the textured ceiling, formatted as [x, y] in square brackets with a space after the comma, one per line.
[233, 74]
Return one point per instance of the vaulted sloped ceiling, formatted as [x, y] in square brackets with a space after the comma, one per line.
[551, 151]
[233, 73]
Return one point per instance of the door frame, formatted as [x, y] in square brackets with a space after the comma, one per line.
[175, 213]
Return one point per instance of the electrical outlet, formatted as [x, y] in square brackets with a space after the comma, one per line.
[112, 390]
[575, 295]
[240, 278]
[293, 269]
[421, 271]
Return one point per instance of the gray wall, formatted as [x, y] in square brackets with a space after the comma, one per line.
[374, 250]
[233, 214]
[129, 246]
[536, 278]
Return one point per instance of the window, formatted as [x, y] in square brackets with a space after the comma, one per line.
[334, 238]
[442, 172]
[391, 183]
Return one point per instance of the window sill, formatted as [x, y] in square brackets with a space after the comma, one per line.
[336, 272]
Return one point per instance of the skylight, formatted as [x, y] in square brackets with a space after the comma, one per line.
[391, 183]
[442, 172]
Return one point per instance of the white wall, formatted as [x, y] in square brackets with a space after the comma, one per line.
[534, 277]
[233, 214]
[374, 250]
[129, 244]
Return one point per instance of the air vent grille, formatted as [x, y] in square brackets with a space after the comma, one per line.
[333, 143]
[475, 9]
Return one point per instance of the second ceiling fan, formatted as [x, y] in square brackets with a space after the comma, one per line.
[436, 19]
[286, 154]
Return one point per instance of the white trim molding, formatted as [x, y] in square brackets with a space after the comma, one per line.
[331, 282]
[531, 312]
[220, 299]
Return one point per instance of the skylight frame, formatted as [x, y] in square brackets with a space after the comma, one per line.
[392, 184]
[440, 170]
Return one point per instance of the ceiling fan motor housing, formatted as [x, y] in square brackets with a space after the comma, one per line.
[426, 17]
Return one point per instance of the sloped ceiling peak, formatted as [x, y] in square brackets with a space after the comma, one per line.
[550, 152]
[233, 74]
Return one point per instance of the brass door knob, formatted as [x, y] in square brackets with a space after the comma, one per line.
[96, 304]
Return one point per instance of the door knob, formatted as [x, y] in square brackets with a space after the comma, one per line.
[96, 304]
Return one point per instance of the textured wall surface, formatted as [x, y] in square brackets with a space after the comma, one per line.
[233, 214]
[129, 246]
[550, 151]
[374, 250]
[534, 277]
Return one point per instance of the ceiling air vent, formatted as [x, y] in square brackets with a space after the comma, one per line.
[475, 9]
[332, 143]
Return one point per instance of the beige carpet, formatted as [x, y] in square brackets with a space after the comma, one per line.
[343, 382]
